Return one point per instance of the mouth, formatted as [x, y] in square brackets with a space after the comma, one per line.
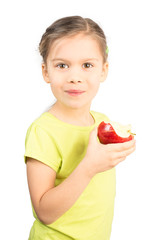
[74, 92]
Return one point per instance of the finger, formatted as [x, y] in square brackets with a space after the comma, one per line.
[125, 153]
[119, 147]
[93, 135]
[118, 160]
[121, 156]
[128, 152]
[94, 131]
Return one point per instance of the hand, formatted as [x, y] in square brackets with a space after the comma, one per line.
[100, 157]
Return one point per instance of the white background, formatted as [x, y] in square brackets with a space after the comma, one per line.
[129, 95]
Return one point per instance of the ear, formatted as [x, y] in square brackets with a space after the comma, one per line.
[104, 72]
[45, 73]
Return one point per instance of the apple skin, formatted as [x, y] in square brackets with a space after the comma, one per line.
[107, 134]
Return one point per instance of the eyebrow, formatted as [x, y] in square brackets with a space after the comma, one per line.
[66, 60]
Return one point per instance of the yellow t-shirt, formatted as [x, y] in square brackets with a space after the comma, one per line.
[62, 146]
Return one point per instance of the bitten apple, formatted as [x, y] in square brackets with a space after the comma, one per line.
[113, 132]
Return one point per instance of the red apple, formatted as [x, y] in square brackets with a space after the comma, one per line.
[114, 132]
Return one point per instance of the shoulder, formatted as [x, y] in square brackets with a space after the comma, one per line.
[46, 129]
[42, 122]
[40, 143]
[39, 130]
[98, 116]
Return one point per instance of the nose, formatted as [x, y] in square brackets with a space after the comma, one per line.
[75, 80]
[75, 76]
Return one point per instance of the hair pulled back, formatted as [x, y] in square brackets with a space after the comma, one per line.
[70, 26]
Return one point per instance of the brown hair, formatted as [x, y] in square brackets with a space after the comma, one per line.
[70, 26]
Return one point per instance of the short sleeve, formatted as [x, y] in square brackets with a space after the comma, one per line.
[106, 118]
[40, 145]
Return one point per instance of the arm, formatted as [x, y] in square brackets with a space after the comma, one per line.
[51, 202]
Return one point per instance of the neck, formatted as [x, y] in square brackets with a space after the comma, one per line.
[80, 117]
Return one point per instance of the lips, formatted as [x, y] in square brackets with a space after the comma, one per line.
[74, 92]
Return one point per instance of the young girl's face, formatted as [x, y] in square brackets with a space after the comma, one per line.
[74, 70]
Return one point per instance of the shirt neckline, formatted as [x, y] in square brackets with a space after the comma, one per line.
[71, 125]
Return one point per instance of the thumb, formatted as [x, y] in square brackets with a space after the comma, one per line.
[93, 135]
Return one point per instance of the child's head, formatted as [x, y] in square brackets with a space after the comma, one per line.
[74, 60]
[70, 26]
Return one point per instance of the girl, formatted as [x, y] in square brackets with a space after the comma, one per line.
[71, 176]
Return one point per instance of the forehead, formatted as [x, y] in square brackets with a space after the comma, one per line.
[80, 46]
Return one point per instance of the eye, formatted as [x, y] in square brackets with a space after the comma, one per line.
[87, 65]
[62, 65]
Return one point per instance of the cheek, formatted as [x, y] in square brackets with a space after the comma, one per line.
[94, 84]
[94, 80]
[55, 84]
[93, 88]
[55, 79]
